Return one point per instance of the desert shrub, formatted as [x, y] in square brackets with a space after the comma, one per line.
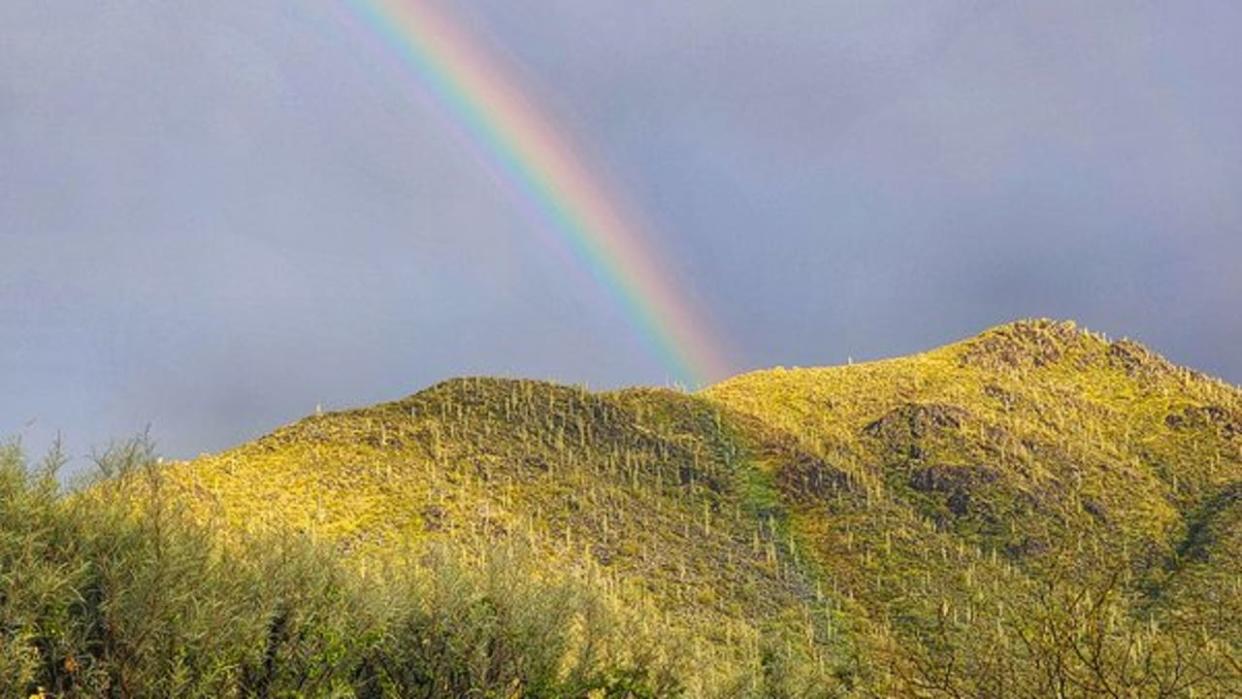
[105, 595]
[114, 591]
[496, 626]
[1079, 633]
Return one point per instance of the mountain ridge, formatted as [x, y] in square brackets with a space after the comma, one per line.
[878, 519]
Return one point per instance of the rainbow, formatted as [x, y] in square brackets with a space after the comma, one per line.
[531, 154]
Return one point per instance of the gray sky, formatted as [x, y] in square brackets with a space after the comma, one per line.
[216, 215]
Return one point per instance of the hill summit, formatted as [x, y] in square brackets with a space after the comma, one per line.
[1035, 511]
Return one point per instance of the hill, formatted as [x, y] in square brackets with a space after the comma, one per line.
[1036, 511]
[850, 508]
[1037, 483]
[650, 488]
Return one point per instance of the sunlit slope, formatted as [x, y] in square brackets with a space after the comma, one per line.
[651, 488]
[1033, 453]
[1017, 438]
[865, 523]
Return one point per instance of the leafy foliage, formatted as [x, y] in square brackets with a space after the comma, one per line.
[108, 594]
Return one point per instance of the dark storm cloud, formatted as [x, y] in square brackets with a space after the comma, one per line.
[214, 216]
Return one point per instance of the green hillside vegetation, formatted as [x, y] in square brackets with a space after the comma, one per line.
[1070, 502]
[1034, 512]
[643, 488]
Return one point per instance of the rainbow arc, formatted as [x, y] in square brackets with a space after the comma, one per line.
[541, 166]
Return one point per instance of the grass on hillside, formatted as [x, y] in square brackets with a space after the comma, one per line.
[1034, 512]
[978, 496]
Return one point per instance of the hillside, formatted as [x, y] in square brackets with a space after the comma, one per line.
[646, 486]
[1031, 511]
[1036, 480]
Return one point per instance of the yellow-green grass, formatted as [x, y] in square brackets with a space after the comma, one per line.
[847, 516]
[645, 491]
[1038, 429]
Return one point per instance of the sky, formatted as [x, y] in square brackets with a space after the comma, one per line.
[215, 217]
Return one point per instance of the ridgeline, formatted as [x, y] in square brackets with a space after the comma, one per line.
[1033, 512]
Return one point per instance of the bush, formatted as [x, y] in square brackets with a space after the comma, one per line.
[106, 592]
